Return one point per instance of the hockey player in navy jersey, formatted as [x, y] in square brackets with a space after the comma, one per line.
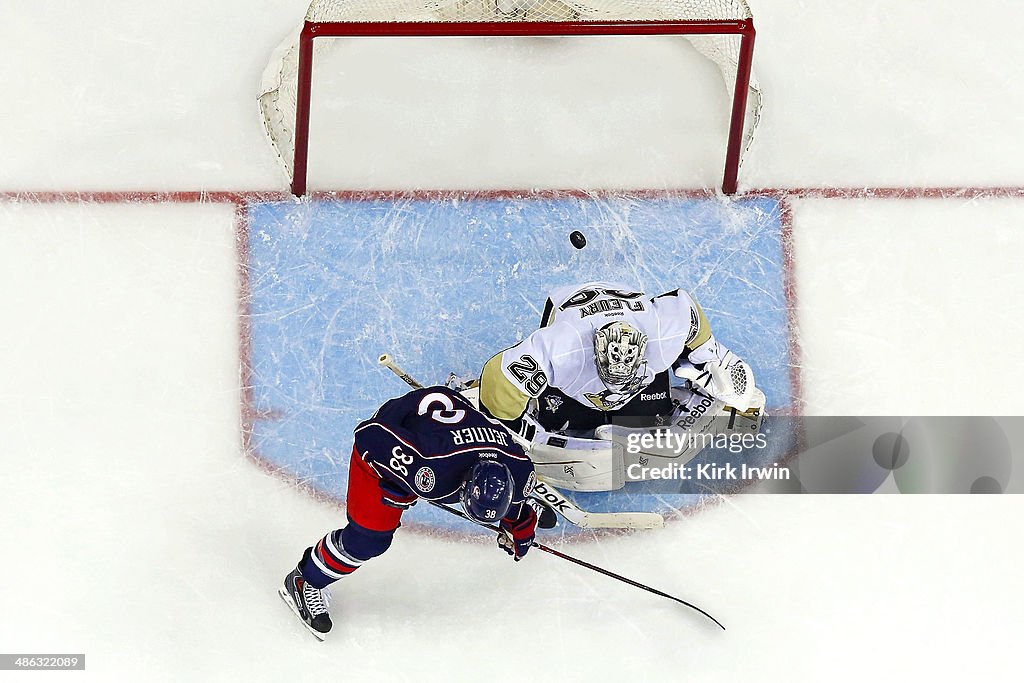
[432, 444]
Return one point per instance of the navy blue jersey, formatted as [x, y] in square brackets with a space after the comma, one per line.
[425, 443]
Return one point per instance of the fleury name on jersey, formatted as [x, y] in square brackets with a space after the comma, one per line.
[609, 363]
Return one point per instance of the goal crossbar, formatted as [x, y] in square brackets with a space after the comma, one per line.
[744, 28]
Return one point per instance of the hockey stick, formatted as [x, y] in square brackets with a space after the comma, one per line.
[582, 563]
[387, 361]
[576, 515]
[551, 496]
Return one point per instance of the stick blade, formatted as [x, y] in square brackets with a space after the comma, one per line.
[622, 520]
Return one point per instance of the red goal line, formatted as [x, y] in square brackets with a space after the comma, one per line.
[242, 197]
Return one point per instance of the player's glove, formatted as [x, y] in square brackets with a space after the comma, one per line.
[517, 535]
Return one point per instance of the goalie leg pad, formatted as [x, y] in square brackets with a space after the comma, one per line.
[590, 466]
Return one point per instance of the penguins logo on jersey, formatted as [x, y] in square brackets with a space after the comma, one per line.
[694, 326]
[607, 400]
[612, 399]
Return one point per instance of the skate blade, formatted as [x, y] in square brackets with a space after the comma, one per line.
[286, 596]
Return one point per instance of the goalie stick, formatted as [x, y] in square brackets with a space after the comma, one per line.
[387, 361]
[553, 497]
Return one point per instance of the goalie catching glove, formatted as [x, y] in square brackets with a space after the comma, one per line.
[719, 375]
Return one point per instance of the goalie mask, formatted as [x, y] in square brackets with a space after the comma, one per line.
[618, 351]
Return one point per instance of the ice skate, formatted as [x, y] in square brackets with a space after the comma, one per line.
[309, 604]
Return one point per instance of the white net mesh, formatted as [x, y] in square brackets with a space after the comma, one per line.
[524, 10]
[278, 93]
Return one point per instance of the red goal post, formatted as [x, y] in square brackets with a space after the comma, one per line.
[726, 36]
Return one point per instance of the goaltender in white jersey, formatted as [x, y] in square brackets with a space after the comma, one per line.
[606, 347]
[605, 350]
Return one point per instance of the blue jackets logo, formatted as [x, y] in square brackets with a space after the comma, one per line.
[425, 479]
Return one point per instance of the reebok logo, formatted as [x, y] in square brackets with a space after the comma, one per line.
[661, 395]
[555, 501]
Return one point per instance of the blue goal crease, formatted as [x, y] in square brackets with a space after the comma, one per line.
[443, 285]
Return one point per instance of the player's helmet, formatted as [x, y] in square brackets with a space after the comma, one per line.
[618, 351]
[487, 493]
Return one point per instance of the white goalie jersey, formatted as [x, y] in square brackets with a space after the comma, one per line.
[603, 343]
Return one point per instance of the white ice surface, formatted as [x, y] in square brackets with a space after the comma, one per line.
[136, 532]
[126, 95]
[915, 311]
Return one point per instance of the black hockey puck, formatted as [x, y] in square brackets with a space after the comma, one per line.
[577, 239]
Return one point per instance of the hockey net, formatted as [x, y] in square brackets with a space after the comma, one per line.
[721, 30]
